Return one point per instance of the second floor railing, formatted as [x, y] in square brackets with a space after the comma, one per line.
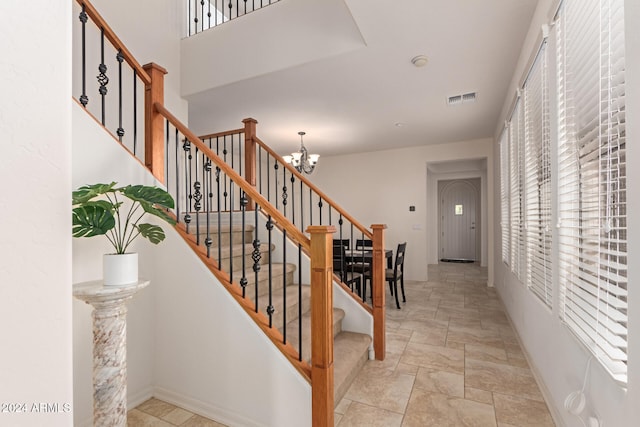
[205, 14]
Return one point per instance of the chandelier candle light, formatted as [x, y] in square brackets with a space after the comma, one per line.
[302, 160]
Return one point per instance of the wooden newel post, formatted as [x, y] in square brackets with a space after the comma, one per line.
[378, 291]
[154, 122]
[322, 393]
[250, 155]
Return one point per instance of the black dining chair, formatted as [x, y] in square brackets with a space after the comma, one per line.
[395, 274]
[343, 269]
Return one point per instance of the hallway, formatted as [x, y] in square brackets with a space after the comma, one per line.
[452, 360]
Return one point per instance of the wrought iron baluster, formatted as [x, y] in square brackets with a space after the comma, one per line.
[178, 201]
[320, 213]
[197, 198]
[275, 177]
[202, 15]
[293, 200]
[166, 150]
[243, 208]
[135, 113]
[230, 9]
[270, 308]
[120, 131]
[219, 218]
[256, 256]
[260, 169]
[186, 147]
[240, 141]
[300, 301]
[330, 216]
[209, 13]
[268, 179]
[230, 229]
[284, 285]
[310, 207]
[195, 14]
[103, 80]
[284, 192]
[245, 7]
[301, 206]
[208, 241]
[84, 99]
[224, 151]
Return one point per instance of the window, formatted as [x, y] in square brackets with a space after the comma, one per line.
[516, 202]
[504, 195]
[592, 177]
[537, 176]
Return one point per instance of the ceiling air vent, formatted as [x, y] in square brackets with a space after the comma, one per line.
[465, 98]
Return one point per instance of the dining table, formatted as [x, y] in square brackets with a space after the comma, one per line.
[366, 256]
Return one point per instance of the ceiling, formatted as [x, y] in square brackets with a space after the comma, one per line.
[371, 97]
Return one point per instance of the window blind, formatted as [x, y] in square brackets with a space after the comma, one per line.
[592, 177]
[516, 202]
[537, 176]
[504, 194]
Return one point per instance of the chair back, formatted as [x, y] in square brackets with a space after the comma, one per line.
[339, 257]
[399, 264]
[364, 244]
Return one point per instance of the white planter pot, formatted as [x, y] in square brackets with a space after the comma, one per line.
[119, 269]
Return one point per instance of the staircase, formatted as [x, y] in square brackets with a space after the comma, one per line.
[267, 238]
[351, 349]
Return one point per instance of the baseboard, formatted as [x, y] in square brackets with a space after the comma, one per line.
[546, 394]
[142, 396]
[204, 409]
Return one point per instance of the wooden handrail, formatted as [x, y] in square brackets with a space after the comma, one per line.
[250, 191]
[302, 178]
[115, 41]
[225, 133]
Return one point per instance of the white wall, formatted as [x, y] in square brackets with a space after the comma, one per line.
[555, 355]
[378, 188]
[35, 211]
[151, 30]
[211, 358]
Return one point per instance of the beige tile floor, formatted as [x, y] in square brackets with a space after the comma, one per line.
[452, 360]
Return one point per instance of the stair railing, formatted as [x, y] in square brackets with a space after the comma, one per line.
[196, 176]
[303, 204]
[205, 14]
[138, 87]
[210, 193]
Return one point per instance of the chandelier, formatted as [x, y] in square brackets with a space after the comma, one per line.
[302, 160]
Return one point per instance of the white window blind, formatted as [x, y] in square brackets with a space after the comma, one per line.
[516, 202]
[592, 177]
[537, 176]
[504, 195]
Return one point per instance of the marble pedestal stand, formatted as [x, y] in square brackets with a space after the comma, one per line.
[109, 348]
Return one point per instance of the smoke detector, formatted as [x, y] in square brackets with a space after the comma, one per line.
[419, 61]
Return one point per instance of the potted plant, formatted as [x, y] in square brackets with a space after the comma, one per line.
[100, 209]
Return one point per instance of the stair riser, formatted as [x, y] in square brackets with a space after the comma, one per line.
[263, 283]
[292, 310]
[226, 238]
[237, 260]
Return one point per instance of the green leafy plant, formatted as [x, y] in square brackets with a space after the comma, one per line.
[97, 211]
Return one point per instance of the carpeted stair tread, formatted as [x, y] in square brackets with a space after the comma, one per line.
[350, 353]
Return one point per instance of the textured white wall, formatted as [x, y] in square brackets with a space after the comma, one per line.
[556, 356]
[378, 188]
[35, 211]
